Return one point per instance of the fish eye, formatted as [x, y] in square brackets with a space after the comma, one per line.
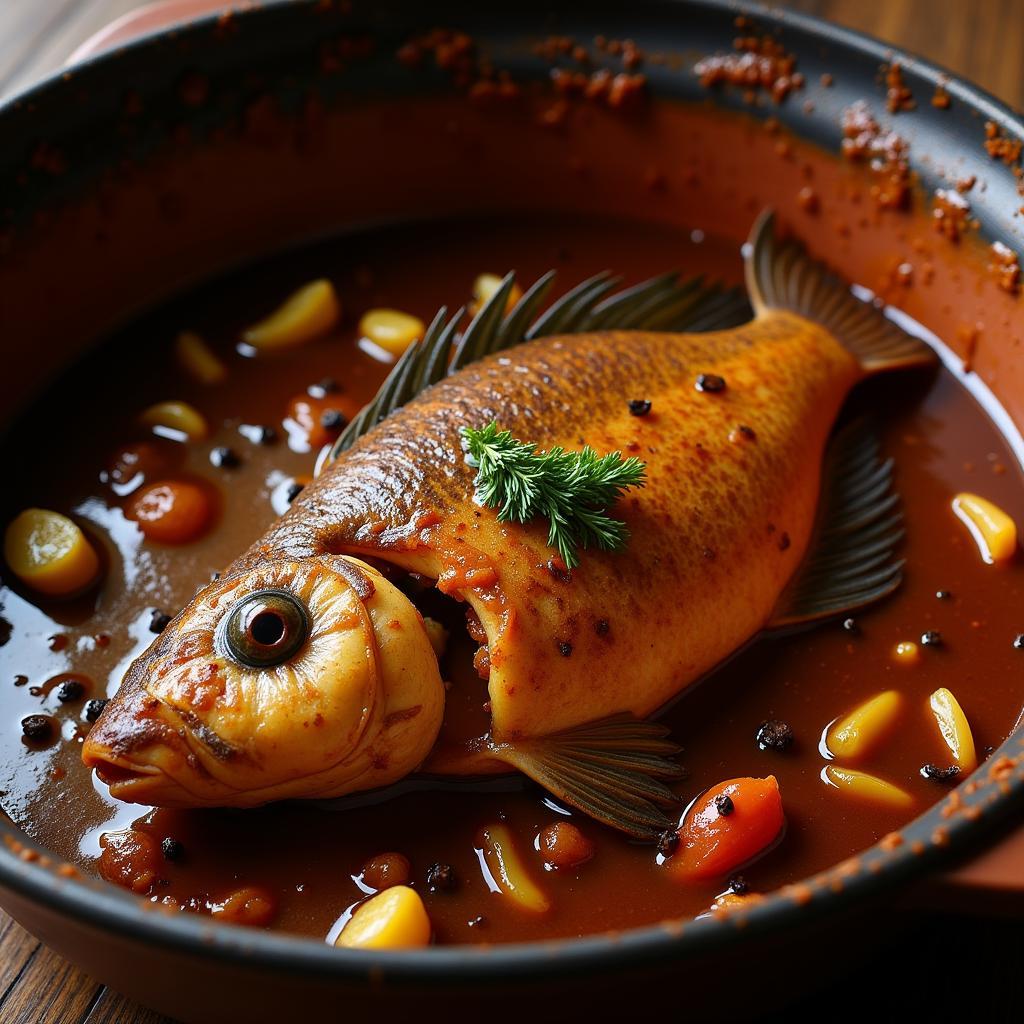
[264, 628]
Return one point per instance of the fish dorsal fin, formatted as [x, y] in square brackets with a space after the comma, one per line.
[613, 770]
[850, 562]
[663, 303]
[783, 275]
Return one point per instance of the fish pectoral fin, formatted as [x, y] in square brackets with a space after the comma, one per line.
[613, 770]
[850, 562]
[782, 275]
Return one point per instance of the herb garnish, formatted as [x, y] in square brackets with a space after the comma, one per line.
[572, 490]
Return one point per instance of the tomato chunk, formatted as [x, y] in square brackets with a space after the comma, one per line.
[173, 511]
[730, 825]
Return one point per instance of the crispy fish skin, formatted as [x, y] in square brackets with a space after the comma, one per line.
[715, 534]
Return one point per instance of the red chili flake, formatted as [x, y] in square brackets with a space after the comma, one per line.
[940, 98]
[1004, 265]
[897, 97]
[784, 542]
[999, 147]
[951, 213]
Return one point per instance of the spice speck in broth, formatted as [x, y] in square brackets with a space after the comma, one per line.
[37, 728]
[711, 383]
[774, 734]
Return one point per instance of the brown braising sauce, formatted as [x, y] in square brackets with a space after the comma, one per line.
[303, 866]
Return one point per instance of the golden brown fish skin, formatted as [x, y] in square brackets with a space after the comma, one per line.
[357, 707]
[717, 532]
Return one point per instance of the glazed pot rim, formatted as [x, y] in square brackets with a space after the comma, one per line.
[930, 840]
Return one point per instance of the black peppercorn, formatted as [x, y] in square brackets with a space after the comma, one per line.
[94, 708]
[937, 774]
[441, 878]
[172, 849]
[667, 842]
[70, 690]
[932, 638]
[564, 648]
[224, 458]
[333, 419]
[258, 433]
[601, 627]
[724, 804]
[774, 735]
[294, 490]
[943, 595]
[1018, 641]
[738, 884]
[323, 388]
[850, 625]
[710, 382]
[158, 621]
[639, 407]
[36, 728]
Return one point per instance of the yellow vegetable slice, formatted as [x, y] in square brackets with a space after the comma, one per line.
[955, 729]
[993, 530]
[866, 787]
[393, 919]
[484, 288]
[860, 732]
[178, 421]
[391, 329]
[311, 311]
[198, 358]
[49, 553]
[509, 872]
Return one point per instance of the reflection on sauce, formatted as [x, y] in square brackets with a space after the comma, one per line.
[301, 865]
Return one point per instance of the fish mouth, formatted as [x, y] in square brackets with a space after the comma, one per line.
[132, 782]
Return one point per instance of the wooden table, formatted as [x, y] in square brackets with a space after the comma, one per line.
[981, 39]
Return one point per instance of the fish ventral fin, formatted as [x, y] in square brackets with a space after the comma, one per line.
[613, 770]
[783, 275]
[850, 562]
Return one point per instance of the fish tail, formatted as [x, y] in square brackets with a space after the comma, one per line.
[782, 275]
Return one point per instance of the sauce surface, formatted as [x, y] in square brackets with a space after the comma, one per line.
[308, 857]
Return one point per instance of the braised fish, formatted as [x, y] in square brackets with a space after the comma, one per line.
[303, 672]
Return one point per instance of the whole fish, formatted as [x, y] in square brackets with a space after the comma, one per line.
[303, 672]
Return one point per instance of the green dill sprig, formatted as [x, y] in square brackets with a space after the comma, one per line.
[572, 490]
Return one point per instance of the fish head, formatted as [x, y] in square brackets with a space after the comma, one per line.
[312, 677]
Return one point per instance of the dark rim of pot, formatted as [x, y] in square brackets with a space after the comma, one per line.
[990, 796]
